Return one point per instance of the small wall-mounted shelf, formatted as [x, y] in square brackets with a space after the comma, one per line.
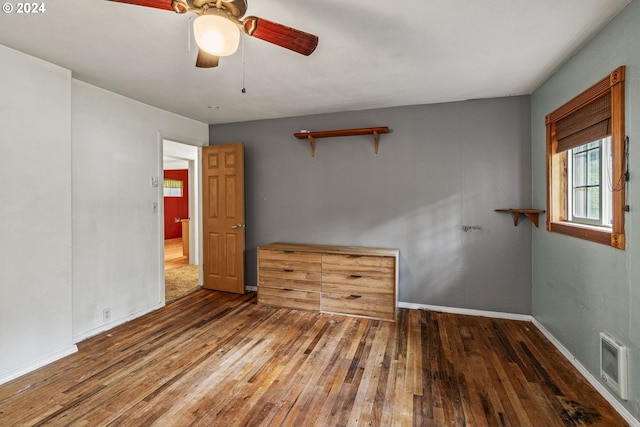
[532, 214]
[311, 136]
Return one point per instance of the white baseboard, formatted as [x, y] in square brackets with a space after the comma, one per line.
[603, 390]
[102, 328]
[466, 311]
[251, 288]
[38, 363]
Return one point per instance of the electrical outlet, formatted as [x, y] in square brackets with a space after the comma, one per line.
[106, 314]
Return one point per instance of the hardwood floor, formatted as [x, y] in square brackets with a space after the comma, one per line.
[173, 257]
[217, 359]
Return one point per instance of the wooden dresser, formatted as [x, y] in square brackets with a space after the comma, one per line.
[332, 279]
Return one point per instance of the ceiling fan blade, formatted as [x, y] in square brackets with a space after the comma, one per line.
[206, 60]
[281, 35]
[158, 4]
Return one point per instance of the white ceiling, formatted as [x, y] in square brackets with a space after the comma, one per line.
[370, 54]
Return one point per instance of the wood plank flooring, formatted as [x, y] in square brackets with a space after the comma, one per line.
[217, 359]
[173, 257]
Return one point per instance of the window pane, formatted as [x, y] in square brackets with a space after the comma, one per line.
[594, 144]
[579, 202]
[594, 167]
[579, 172]
[173, 187]
[593, 203]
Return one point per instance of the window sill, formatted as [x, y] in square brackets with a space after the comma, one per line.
[600, 235]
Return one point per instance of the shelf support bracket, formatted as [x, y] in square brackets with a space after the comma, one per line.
[312, 141]
[533, 217]
[376, 138]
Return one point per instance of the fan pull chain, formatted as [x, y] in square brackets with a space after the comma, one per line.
[243, 90]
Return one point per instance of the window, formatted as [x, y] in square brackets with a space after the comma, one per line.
[589, 196]
[586, 164]
[172, 188]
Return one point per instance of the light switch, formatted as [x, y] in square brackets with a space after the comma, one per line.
[154, 181]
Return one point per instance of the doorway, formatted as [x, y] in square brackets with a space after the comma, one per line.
[181, 207]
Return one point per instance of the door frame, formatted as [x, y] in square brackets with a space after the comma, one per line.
[195, 201]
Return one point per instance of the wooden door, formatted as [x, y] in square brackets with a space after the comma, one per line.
[223, 217]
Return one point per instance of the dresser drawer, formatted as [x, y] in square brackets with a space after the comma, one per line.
[378, 306]
[289, 278]
[371, 266]
[296, 299]
[357, 284]
[289, 260]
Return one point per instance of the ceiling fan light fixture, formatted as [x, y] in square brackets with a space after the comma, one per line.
[216, 35]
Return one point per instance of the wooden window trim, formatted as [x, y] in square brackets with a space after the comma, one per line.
[556, 165]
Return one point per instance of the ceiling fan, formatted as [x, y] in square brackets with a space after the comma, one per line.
[218, 25]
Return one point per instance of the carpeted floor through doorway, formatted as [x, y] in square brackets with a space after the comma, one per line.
[180, 282]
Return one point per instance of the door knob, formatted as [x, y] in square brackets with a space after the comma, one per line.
[237, 225]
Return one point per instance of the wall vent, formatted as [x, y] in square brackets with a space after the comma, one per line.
[613, 364]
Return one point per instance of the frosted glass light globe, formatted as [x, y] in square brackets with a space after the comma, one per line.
[216, 35]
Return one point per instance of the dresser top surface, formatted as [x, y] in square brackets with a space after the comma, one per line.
[331, 249]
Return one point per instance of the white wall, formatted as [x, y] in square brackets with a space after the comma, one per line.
[76, 203]
[117, 241]
[35, 210]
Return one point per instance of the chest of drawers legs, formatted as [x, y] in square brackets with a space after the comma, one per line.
[334, 279]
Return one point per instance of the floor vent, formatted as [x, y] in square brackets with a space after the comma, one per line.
[613, 364]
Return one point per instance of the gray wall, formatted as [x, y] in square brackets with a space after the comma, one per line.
[442, 167]
[581, 288]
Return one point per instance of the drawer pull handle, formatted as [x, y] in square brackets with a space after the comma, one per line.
[288, 270]
[356, 296]
[289, 252]
[355, 276]
[287, 289]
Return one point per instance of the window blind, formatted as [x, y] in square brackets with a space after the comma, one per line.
[587, 124]
[172, 183]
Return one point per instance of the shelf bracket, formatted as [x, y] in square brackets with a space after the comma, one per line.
[312, 142]
[376, 138]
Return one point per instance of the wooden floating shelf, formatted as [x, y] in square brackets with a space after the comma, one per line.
[311, 136]
[532, 214]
